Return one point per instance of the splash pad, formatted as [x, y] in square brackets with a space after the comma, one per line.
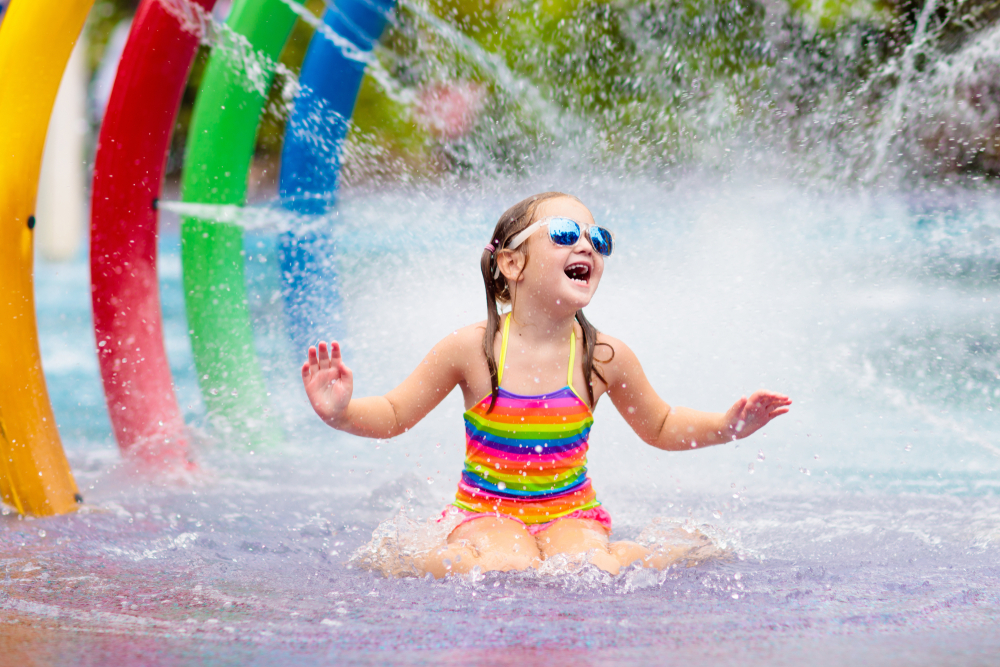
[864, 530]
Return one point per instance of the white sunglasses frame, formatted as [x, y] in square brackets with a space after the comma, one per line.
[526, 233]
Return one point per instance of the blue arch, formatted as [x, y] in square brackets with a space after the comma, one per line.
[310, 164]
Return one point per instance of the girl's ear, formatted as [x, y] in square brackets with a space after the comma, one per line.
[511, 264]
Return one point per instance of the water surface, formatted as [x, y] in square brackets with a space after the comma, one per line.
[863, 525]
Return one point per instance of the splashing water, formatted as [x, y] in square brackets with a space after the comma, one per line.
[553, 119]
[255, 68]
[398, 545]
[890, 124]
[373, 68]
[855, 310]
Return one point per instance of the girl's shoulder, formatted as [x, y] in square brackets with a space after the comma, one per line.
[611, 352]
[606, 341]
[465, 340]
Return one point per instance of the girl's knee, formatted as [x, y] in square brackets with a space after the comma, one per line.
[491, 543]
[572, 536]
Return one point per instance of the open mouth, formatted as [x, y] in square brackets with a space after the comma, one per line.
[578, 273]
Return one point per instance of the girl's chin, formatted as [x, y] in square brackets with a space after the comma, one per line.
[575, 301]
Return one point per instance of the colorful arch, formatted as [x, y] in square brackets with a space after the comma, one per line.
[34, 474]
[36, 39]
[310, 164]
[220, 147]
[128, 174]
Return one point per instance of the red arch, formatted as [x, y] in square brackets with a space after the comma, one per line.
[128, 173]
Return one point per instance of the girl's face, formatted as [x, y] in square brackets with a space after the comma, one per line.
[564, 276]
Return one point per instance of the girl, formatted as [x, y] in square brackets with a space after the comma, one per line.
[531, 378]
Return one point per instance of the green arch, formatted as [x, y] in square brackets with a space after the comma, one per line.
[220, 147]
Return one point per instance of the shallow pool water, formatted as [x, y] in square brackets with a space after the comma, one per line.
[864, 525]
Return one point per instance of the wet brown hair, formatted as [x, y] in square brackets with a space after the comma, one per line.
[515, 219]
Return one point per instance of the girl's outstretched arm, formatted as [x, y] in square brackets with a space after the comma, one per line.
[679, 428]
[329, 383]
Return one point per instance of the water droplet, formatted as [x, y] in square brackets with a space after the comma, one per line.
[805, 471]
[908, 447]
[501, 486]
[41, 533]
[750, 468]
[430, 480]
[760, 454]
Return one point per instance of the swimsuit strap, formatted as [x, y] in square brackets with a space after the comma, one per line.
[503, 354]
[572, 357]
[503, 349]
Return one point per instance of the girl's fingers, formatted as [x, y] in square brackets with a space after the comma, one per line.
[324, 356]
[313, 360]
[767, 399]
[336, 358]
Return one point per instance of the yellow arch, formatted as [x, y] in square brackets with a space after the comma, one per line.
[36, 38]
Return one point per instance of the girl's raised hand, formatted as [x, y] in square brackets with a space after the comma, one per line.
[328, 381]
[749, 415]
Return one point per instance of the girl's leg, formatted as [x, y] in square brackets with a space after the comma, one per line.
[586, 536]
[492, 543]
[626, 553]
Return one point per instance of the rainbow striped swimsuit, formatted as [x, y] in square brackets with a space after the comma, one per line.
[527, 459]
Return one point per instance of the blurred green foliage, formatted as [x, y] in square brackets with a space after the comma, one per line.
[599, 61]
[829, 15]
[638, 71]
[643, 81]
[104, 17]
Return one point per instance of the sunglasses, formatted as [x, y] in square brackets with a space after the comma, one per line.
[566, 232]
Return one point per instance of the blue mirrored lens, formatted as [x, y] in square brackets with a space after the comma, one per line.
[602, 241]
[564, 231]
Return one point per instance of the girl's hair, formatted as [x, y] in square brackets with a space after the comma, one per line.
[513, 220]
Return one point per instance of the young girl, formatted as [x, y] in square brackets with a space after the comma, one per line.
[531, 379]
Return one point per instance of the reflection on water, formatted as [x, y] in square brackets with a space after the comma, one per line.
[864, 522]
